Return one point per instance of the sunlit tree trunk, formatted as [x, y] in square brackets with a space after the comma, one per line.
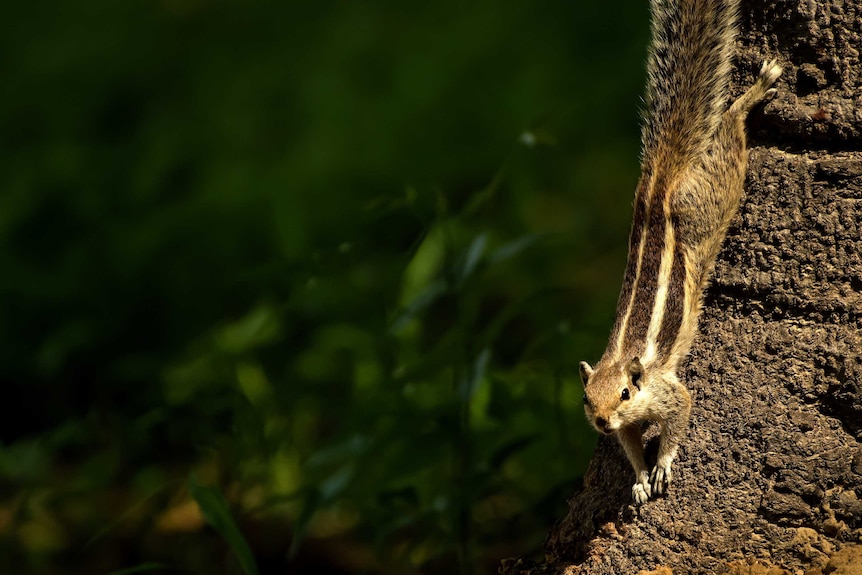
[771, 471]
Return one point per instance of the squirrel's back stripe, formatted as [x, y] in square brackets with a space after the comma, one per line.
[646, 288]
[675, 306]
[638, 316]
[663, 286]
[652, 303]
[636, 240]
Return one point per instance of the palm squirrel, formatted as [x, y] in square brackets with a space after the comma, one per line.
[692, 172]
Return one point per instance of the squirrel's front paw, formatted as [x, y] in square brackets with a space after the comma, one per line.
[641, 491]
[661, 477]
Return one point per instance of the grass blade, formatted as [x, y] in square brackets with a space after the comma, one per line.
[215, 510]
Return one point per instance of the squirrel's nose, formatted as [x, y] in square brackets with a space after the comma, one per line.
[602, 423]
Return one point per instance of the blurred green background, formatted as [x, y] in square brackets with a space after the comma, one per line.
[301, 287]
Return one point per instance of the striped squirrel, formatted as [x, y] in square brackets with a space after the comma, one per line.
[692, 171]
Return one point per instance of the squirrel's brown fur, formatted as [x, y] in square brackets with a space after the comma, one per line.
[692, 172]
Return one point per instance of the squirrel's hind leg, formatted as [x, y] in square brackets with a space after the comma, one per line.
[760, 91]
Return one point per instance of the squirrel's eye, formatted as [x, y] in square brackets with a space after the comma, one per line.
[625, 394]
[586, 400]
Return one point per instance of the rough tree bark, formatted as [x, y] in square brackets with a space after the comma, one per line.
[769, 479]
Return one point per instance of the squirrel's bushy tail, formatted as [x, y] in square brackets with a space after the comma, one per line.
[688, 72]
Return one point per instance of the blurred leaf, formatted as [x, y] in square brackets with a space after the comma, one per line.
[310, 506]
[128, 513]
[425, 298]
[514, 248]
[346, 450]
[475, 375]
[472, 257]
[215, 510]
[254, 384]
[275, 500]
[333, 485]
[425, 265]
[259, 326]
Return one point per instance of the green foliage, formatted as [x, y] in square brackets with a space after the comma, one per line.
[338, 260]
[215, 510]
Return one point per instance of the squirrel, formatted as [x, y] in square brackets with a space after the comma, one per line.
[692, 172]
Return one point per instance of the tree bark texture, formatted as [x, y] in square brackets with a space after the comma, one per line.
[769, 479]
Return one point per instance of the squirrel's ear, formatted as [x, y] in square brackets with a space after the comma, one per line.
[636, 369]
[586, 372]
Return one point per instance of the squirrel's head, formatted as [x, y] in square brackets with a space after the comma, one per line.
[612, 393]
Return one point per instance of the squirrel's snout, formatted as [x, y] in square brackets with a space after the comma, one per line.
[602, 424]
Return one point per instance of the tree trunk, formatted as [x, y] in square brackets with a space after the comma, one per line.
[771, 472]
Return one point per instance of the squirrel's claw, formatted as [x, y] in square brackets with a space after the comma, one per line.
[660, 478]
[769, 72]
[641, 491]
